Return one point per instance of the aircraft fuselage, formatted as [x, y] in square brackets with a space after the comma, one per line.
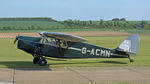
[33, 45]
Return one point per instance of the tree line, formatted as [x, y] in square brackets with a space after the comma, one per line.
[115, 23]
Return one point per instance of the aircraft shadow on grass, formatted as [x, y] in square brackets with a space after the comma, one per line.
[111, 62]
[25, 65]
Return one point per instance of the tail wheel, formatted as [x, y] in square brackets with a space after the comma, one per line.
[42, 62]
[131, 60]
[36, 60]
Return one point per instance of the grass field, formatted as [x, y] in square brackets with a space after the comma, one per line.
[78, 30]
[11, 57]
[43, 24]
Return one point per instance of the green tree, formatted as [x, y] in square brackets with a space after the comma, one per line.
[115, 19]
[90, 22]
[125, 25]
[122, 19]
[142, 24]
[101, 23]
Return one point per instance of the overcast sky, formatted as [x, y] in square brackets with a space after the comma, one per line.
[77, 9]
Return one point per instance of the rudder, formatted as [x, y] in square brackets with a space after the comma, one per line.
[130, 45]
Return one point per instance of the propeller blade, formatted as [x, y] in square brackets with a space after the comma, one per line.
[17, 37]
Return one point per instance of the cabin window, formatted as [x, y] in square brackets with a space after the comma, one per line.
[52, 41]
[48, 40]
[61, 43]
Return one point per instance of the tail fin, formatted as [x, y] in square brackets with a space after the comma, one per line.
[130, 45]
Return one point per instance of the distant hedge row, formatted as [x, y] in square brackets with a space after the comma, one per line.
[28, 19]
[32, 27]
[115, 24]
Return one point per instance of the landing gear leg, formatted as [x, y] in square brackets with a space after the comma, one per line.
[131, 60]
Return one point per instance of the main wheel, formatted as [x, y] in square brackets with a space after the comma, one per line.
[36, 60]
[131, 60]
[42, 62]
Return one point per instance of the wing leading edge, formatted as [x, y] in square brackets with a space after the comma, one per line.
[63, 36]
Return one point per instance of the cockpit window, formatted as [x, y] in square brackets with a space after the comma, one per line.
[53, 41]
[48, 40]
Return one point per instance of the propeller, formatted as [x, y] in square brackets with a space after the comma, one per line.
[17, 37]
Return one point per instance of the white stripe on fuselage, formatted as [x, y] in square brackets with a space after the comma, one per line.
[74, 48]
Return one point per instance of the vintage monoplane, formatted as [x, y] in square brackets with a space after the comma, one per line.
[60, 45]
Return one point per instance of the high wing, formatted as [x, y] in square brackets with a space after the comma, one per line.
[62, 36]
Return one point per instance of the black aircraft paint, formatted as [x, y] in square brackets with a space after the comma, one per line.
[59, 45]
